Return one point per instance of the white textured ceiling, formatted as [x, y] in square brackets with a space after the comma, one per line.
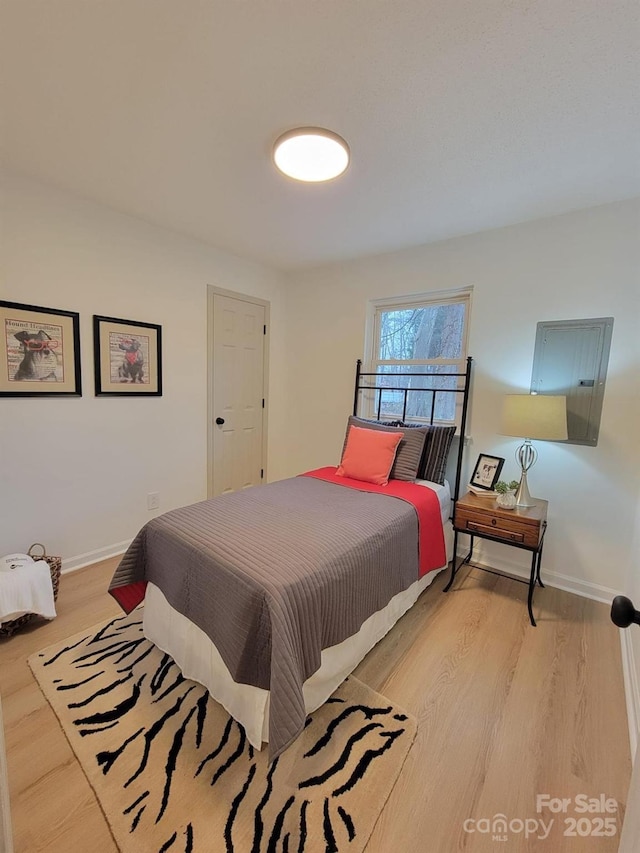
[461, 115]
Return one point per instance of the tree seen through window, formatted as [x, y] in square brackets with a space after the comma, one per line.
[428, 339]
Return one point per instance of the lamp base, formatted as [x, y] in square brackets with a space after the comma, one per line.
[523, 498]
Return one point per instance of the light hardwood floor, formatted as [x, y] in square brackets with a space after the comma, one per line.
[505, 712]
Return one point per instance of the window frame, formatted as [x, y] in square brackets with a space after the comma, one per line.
[376, 307]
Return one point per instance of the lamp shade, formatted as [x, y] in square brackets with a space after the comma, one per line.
[538, 416]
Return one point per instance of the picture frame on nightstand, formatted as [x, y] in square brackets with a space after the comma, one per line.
[485, 474]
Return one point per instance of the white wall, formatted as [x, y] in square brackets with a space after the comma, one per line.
[584, 264]
[75, 472]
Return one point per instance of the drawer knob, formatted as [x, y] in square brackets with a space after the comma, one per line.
[494, 521]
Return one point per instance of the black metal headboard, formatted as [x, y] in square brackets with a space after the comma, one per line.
[464, 389]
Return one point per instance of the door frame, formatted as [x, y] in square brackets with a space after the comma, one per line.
[6, 843]
[212, 291]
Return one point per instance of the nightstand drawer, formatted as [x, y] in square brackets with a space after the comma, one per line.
[474, 527]
[486, 523]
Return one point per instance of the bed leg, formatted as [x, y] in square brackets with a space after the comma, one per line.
[454, 560]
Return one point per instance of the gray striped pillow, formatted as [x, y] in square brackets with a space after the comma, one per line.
[409, 453]
[436, 451]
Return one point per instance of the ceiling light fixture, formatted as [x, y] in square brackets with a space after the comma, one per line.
[311, 154]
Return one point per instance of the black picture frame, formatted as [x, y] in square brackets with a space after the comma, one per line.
[39, 351]
[487, 471]
[127, 357]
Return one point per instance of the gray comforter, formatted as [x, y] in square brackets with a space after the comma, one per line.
[277, 573]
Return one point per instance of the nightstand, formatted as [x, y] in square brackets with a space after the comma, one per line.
[522, 527]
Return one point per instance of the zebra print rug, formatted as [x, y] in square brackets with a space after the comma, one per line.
[173, 772]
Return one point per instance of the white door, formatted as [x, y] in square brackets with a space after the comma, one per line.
[237, 394]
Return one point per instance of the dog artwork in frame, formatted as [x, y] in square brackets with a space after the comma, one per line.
[128, 357]
[485, 474]
[39, 351]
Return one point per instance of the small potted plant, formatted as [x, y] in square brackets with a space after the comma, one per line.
[506, 493]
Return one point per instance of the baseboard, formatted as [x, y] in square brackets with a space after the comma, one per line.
[586, 589]
[631, 688]
[72, 564]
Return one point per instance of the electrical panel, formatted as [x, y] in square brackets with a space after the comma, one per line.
[571, 358]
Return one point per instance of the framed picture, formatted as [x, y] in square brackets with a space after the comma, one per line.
[39, 351]
[128, 358]
[487, 471]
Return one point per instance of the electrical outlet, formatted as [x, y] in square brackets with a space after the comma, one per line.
[153, 500]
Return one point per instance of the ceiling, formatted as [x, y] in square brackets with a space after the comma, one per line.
[461, 115]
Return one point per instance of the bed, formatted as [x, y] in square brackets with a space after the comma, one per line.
[271, 597]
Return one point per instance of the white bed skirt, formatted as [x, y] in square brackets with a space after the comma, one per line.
[199, 659]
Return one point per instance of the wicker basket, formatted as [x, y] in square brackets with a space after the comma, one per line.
[55, 567]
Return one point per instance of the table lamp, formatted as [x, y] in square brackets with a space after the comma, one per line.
[533, 416]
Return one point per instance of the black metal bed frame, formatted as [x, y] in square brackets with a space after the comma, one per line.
[464, 390]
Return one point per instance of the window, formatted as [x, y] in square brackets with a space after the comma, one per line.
[421, 334]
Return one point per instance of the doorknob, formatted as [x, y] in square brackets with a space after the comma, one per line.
[623, 613]
[219, 421]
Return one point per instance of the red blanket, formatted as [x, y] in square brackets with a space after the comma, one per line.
[130, 596]
[423, 499]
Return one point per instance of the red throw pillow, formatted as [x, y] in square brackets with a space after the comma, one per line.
[369, 455]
